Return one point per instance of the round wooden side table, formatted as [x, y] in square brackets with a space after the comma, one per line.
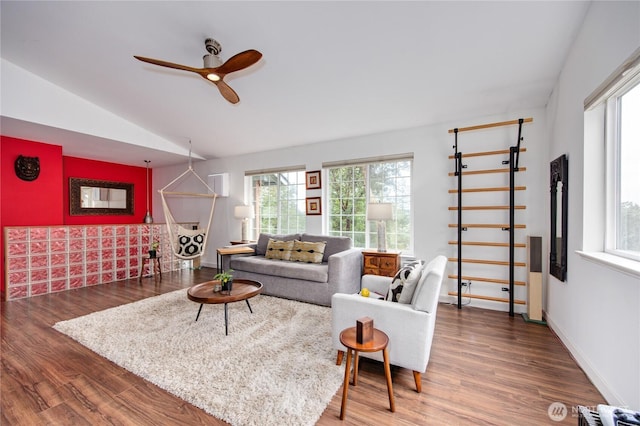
[378, 343]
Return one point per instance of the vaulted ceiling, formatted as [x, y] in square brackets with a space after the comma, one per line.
[330, 70]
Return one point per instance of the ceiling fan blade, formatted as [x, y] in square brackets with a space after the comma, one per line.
[227, 92]
[239, 62]
[167, 64]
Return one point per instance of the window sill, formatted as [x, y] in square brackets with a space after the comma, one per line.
[620, 264]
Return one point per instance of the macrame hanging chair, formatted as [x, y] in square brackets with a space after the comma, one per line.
[186, 243]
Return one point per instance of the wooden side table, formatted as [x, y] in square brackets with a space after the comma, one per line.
[385, 263]
[378, 343]
[230, 251]
[154, 267]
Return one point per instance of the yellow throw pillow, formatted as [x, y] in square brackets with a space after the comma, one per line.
[278, 249]
[307, 252]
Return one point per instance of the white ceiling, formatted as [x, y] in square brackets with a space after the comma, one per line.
[330, 69]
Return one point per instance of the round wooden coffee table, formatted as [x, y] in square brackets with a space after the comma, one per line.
[240, 290]
[378, 343]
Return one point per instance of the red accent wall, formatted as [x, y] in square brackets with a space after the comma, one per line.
[45, 201]
[91, 169]
[37, 202]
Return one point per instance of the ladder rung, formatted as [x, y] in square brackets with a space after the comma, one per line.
[487, 262]
[489, 125]
[486, 225]
[497, 188]
[478, 154]
[488, 244]
[485, 171]
[487, 207]
[487, 280]
[494, 299]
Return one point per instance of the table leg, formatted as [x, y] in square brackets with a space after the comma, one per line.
[345, 386]
[199, 310]
[159, 265]
[387, 373]
[142, 262]
[356, 364]
[226, 321]
[250, 310]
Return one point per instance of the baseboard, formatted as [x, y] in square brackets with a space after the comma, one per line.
[609, 394]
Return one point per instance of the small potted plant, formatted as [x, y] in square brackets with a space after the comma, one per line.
[226, 279]
[153, 250]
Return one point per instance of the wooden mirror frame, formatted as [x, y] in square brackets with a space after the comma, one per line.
[558, 255]
[76, 209]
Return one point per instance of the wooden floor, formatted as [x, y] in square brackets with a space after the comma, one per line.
[485, 368]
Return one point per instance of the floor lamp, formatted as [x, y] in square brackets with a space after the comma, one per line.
[245, 213]
[380, 212]
[147, 217]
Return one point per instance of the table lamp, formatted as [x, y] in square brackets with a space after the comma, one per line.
[245, 213]
[380, 212]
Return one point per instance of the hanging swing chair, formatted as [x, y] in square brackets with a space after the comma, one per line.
[186, 243]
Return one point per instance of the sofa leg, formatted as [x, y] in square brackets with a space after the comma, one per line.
[340, 356]
[418, 379]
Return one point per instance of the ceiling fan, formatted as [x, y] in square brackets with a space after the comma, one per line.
[214, 70]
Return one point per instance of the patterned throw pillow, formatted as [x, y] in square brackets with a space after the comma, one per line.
[190, 242]
[280, 250]
[404, 282]
[307, 252]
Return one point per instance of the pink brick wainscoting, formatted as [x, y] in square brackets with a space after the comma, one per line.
[49, 259]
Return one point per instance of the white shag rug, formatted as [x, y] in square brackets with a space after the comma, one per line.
[276, 366]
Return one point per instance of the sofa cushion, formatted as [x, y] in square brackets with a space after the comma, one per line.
[263, 241]
[410, 277]
[334, 244]
[404, 282]
[317, 272]
[277, 249]
[307, 252]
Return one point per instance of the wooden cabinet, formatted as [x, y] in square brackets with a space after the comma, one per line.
[380, 263]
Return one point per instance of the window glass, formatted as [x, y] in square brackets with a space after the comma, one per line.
[627, 194]
[351, 188]
[279, 202]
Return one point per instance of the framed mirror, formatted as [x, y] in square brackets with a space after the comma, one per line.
[559, 217]
[99, 197]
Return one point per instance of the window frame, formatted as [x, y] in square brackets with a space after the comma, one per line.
[613, 179]
[299, 200]
[370, 228]
[596, 172]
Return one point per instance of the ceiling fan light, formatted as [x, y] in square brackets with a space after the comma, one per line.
[213, 77]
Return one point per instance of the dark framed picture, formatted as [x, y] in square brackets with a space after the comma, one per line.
[313, 180]
[314, 206]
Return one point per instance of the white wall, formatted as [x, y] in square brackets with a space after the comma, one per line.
[595, 312]
[431, 146]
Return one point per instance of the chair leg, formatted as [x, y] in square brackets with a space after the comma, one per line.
[418, 379]
[340, 356]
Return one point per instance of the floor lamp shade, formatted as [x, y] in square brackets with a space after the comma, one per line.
[380, 212]
[245, 213]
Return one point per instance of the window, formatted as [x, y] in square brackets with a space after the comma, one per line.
[623, 175]
[352, 186]
[279, 201]
[611, 178]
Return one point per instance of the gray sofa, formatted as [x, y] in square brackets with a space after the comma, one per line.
[339, 272]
